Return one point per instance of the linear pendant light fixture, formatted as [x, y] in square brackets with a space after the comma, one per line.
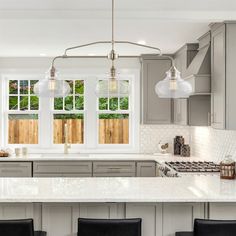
[173, 86]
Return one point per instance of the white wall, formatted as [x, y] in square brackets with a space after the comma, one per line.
[43, 63]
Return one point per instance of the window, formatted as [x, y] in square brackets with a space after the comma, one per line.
[70, 111]
[91, 123]
[22, 115]
[113, 115]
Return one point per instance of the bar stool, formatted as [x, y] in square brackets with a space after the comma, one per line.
[211, 228]
[109, 227]
[24, 227]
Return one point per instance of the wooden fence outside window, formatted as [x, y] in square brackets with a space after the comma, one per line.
[111, 131]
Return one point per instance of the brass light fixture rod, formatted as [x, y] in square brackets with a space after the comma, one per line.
[66, 56]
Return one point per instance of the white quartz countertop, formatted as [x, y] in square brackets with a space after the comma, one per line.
[98, 157]
[183, 189]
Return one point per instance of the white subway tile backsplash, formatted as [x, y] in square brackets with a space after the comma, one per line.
[205, 142]
[151, 135]
[213, 144]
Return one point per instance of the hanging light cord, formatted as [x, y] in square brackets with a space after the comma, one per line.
[113, 25]
[113, 54]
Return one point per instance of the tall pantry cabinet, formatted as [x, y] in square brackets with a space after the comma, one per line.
[223, 80]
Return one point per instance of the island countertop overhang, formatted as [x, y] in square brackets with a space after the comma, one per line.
[183, 189]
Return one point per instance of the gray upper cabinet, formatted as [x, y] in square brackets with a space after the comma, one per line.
[180, 108]
[199, 108]
[223, 76]
[154, 110]
[218, 77]
[195, 111]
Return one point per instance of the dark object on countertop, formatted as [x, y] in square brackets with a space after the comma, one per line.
[178, 142]
[24, 227]
[227, 170]
[211, 228]
[3, 153]
[185, 150]
[105, 227]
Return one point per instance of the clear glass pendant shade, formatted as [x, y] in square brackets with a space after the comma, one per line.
[173, 86]
[112, 88]
[51, 87]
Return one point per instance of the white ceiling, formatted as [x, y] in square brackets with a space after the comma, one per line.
[33, 27]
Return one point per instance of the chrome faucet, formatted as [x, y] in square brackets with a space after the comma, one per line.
[66, 143]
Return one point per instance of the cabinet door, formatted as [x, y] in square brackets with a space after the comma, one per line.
[199, 110]
[180, 111]
[151, 215]
[60, 219]
[154, 110]
[180, 217]
[146, 169]
[222, 211]
[218, 77]
[15, 169]
[114, 168]
[62, 168]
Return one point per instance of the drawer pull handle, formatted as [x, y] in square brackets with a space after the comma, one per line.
[12, 171]
[114, 168]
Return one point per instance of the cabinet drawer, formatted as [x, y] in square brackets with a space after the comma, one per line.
[146, 169]
[120, 174]
[113, 167]
[46, 175]
[15, 169]
[48, 167]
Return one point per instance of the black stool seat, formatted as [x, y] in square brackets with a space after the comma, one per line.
[212, 228]
[19, 228]
[109, 227]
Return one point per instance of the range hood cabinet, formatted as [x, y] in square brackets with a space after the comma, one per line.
[198, 72]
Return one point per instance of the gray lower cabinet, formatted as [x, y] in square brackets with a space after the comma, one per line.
[146, 169]
[114, 168]
[15, 169]
[62, 219]
[222, 211]
[62, 169]
[158, 219]
[180, 216]
[165, 219]
[154, 110]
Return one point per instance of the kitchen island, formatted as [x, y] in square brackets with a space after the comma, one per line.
[166, 205]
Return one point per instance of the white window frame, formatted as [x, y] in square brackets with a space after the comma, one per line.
[6, 111]
[90, 112]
